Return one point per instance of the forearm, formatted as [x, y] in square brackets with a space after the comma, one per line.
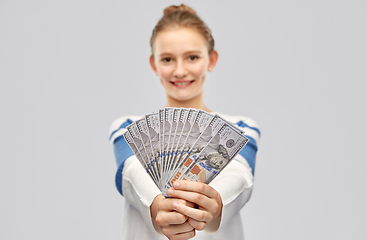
[234, 184]
[139, 189]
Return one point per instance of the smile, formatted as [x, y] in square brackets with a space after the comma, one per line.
[182, 84]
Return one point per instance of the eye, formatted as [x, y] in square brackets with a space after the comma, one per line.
[193, 57]
[167, 59]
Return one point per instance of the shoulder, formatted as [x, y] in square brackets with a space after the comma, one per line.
[235, 119]
[118, 127]
[247, 124]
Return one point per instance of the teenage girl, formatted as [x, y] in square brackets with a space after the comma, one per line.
[182, 53]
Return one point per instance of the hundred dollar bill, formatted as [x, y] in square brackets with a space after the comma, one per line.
[145, 137]
[133, 130]
[211, 129]
[173, 136]
[161, 138]
[183, 143]
[180, 138]
[153, 129]
[130, 142]
[213, 158]
[201, 122]
[167, 126]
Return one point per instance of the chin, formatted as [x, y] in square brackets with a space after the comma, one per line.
[183, 98]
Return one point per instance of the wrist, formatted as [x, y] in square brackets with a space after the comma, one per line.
[154, 212]
[220, 207]
[154, 206]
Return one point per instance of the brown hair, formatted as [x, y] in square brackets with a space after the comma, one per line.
[182, 16]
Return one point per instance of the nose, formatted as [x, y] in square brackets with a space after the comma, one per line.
[180, 70]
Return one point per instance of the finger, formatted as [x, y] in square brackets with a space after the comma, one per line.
[166, 204]
[175, 229]
[167, 218]
[190, 204]
[198, 225]
[200, 199]
[184, 236]
[198, 187]
[197, 214]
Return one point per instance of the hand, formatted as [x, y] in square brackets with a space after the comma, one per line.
[173, 225]
[207, 198]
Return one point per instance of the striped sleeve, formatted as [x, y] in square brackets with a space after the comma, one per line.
[121, 149]
[252, 132]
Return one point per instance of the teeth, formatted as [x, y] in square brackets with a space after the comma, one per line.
[181, 84]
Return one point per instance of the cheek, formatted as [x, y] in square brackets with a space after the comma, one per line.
[199, 69]
[164, 73]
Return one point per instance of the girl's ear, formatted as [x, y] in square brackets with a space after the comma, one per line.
[213, 58]
[151, 61]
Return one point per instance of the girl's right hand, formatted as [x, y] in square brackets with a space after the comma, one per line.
[173, 225]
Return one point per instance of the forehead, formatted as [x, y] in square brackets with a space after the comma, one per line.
[179, 40]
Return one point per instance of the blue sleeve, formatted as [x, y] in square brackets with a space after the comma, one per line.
[250, 150]
[122, 152]
[249, 153]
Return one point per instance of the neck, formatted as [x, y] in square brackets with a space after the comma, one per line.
[191, 103]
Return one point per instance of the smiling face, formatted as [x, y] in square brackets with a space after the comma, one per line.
[181, 61]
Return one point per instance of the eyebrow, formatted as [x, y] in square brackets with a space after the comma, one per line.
[186, 53]
[191, 52]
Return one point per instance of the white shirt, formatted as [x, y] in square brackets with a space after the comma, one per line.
[234, 184]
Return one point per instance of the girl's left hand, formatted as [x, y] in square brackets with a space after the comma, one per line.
[207, 198]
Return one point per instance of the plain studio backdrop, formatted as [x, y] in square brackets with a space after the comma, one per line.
[70, 68]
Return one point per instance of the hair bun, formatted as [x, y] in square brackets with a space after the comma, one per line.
[181, 8]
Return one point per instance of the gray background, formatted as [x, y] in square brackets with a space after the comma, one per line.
[69, 68]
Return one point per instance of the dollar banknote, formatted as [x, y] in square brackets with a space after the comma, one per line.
[184, 144]
[161, 139]
[152, 121]
[180, 138]
[146, 139]
[212, 159]
[130, 142]
[173, 137]
[167, 126]
[135, 134]
[202, 121]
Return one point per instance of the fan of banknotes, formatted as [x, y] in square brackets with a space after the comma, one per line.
[181, 143]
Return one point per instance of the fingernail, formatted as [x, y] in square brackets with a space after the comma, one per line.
[175, 205]
[169, 191]
[176, 184]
